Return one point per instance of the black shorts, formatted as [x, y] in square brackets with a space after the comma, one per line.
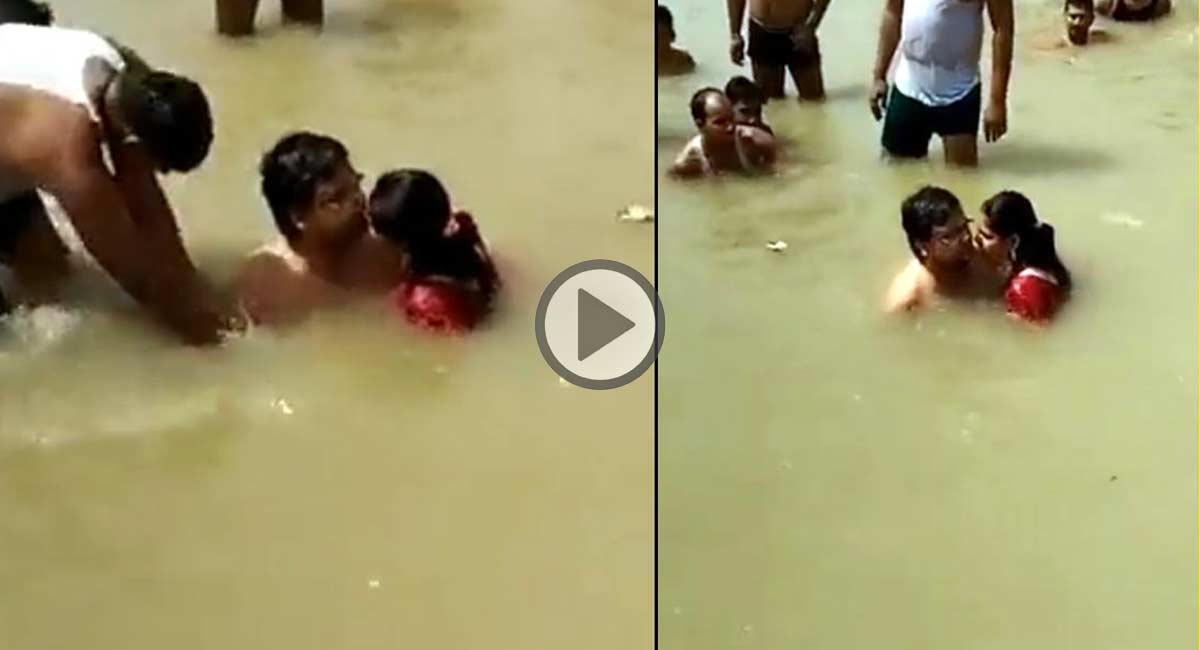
[777, 49]
[908, 125]
[16, 215]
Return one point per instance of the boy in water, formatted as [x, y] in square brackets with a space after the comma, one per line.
[783, 36]
[669, 60]
[747, 99]
[721, 145]
[326, 254]
[939, 236]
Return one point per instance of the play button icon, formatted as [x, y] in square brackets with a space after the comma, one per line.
[599, 324]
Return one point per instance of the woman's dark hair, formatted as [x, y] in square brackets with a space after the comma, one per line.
[27, 12]
[741, 89]
[1011, 214]
[928, 208]
[411, 208]
[170, 115]
[291, 171]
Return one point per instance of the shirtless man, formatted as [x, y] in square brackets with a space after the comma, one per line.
[944, 262]
[782, 34]
[236, 17]
[721, 145]
[1133, 11]
[937, 87]
[325, 255]
[66, 97]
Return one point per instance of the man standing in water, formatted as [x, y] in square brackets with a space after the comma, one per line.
[937, 86]
[236, 17]
[783, 35]
[66, 97]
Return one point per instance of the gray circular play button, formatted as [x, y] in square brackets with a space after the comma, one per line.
[600, 324]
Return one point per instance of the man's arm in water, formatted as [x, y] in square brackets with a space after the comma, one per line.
[97, 209]
[762, 145]
[687, 164]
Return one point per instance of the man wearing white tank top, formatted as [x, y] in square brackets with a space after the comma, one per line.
[936, 87]
[68, 98]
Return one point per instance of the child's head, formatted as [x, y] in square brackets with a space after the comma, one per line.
[1078, 16]
[713, 114]
[1011, 233]
[664, 28]
[313, 191]
[937, 229]
[409, 205]
[747, 99]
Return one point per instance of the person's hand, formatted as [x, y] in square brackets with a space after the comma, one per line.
[737, 49]
[804, 39]
[877, 98]
[995, 121]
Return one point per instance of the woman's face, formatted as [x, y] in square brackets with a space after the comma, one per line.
[994, 248]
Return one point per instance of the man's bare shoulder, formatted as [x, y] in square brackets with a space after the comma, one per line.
[910, 289]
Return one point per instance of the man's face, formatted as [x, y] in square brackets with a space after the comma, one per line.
[718, 120]
[950, 245]
[337, 216]
[1079, 19]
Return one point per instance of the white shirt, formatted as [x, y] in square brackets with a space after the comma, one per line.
[940, 45]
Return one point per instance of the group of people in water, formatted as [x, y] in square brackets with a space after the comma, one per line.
[91, 124]
[925, 81]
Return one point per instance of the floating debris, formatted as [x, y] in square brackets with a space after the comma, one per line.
[777, 246]
[1112, 478]
[283, 407]
[636, 214]
[373, 583]
[1122, 219]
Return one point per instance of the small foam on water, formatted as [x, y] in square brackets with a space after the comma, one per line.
[42, 327]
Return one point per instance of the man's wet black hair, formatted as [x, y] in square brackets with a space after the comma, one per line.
[928, 208]
[170, 116]
[26, 12]
[291, 171]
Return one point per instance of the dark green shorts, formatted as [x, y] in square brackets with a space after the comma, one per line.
[908, 125]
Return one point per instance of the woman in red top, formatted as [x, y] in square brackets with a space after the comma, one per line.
[452, 280]
[1022, 249]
